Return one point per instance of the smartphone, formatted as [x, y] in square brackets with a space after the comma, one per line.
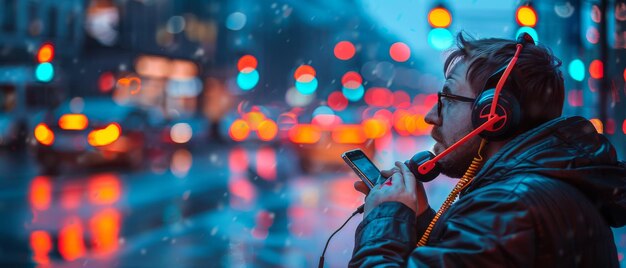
[362, 166]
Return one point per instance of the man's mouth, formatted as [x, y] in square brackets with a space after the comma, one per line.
[435, 137]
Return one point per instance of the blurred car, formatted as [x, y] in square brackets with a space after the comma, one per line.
[103, 132]
[18, 103]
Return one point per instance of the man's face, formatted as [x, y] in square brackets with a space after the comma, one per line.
[454, 123]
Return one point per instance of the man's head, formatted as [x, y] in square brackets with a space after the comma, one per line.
[536, 82]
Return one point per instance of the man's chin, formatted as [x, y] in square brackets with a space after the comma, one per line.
[438, 148]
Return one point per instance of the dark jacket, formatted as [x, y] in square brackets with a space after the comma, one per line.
[547, 198]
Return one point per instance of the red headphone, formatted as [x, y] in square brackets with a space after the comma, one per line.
[495, 116]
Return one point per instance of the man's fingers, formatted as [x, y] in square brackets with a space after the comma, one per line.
[361, 187]
[409, 178]
[398, 177]
[389, 172]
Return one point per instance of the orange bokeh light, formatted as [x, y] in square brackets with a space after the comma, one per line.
[349, 134]
[126, 82]
[439, 17]
[267, 130]
[104, 189]
[41, 244]
[526, 16]
[239, 130]
[254, 118]
[73, 122]
[597, 123]
[105, 230]
[45, 53]
[43, 134]
[40, 193]
[374, 128]
[105, 136]
[71, 244]
[305, 134]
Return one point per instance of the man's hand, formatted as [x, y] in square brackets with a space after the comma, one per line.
[400, 186]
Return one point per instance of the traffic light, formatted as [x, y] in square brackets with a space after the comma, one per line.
[526, 18]
[439, 37]
[44, 72]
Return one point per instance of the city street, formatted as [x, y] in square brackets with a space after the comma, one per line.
[224, 206]
[224, 133]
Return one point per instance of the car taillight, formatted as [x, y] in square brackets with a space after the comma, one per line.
[73, 122]
[105, 136]
[43, 134]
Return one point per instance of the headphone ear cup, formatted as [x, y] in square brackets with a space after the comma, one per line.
[508, 106]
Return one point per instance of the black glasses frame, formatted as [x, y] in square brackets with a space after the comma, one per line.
[450, 96]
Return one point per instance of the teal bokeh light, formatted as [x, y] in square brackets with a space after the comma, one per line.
[307, 88]
[529, 30]
[44, 72]
[440, 38]
[247, 80]
[353, 94]
[576, 70]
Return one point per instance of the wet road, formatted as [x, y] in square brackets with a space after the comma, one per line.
[224, 206]
[221, 206]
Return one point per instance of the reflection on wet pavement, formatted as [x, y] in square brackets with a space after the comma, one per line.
[227, 207]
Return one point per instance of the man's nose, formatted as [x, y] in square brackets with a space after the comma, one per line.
[432, 117]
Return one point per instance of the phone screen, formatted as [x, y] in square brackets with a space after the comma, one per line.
[363, 163]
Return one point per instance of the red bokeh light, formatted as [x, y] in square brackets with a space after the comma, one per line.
[575, 98]
[266, 163]
[401, 100]
[238, 160]
[351, 77]
[593, 36]
[337, 101]
[45, 53]
[400, 52]
[106, 82]
[344, 50]
[609, 128]
[379, 97]
[596, 69]
[304, 69]
[247, 62]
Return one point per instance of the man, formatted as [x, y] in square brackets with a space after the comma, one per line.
[545, 197]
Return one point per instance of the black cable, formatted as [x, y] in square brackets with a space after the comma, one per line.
[358, 211]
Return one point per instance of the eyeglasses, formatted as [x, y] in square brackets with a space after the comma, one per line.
[450, 96]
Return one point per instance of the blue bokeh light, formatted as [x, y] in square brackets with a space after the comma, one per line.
[307, 88]
[576, 70]
[248, 80]
[440, 38]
